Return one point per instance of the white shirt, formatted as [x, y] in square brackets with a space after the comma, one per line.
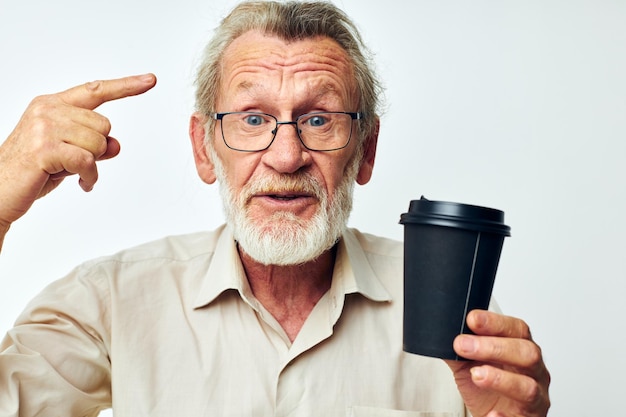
[171, 328]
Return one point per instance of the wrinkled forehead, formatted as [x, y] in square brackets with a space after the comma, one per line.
[256, 61]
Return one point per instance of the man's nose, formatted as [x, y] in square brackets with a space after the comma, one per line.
[286, 154]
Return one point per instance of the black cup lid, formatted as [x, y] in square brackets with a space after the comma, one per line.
[465, 216]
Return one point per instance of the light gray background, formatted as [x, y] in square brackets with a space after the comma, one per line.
[518, 105]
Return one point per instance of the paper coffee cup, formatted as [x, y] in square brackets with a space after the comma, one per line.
[451, 254]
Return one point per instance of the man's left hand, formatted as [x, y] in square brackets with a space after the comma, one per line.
[505, 375]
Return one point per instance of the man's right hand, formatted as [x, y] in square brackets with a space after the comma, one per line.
[59, 135]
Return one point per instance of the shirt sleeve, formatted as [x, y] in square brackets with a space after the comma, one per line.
[55, 360]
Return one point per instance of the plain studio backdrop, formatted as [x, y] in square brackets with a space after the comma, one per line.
[517, 105]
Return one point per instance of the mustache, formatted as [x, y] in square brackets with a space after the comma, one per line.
[298, 183]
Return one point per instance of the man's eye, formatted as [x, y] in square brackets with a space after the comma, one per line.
[254, 120]
[317, 121]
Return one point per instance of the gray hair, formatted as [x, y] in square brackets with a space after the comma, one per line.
[291, 20]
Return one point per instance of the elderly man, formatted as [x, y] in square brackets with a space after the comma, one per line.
[283, 311]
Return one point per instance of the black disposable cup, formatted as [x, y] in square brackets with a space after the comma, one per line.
[451, 254]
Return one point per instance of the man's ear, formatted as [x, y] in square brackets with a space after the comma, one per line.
[197, 133]
[369, 155]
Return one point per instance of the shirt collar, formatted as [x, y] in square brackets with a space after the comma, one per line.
[352, 272]
[225, 271]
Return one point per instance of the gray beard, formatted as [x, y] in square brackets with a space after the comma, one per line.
[283, 238]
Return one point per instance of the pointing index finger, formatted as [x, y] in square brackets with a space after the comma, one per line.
[94, 93]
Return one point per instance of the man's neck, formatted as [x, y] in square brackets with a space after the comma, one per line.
[289, 293]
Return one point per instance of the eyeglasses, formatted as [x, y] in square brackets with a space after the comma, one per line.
[255, 131]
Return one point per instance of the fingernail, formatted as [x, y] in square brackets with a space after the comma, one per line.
[481, 319]
[467, 344]
[478, 374]
[86, 187]
[147, 78]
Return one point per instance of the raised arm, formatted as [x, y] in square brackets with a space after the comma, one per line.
[59, 135]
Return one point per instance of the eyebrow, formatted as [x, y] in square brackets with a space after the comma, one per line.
[323, 91]
[246, 86]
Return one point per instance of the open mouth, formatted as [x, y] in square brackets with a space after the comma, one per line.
[285, 197]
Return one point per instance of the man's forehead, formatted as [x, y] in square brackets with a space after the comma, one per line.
[255, 45]
[255, 64]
